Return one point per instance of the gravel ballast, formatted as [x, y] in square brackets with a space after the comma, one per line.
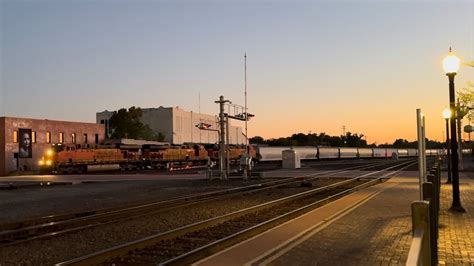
[101, 195]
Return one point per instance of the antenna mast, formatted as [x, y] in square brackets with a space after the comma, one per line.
[200, 118]
[246, 111]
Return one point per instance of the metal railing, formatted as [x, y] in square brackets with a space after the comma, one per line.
[425, 221]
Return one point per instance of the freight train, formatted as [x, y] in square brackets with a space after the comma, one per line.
[69, 158]
[268, 154]
[76, 158]
[274, 154]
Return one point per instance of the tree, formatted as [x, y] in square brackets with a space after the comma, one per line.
[466, 98]
[401, 143]
[257, 140]
[354, 140]
[126, 124]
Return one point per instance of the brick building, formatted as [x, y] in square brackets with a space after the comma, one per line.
[38, 135]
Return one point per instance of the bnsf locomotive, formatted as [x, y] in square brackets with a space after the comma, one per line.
[69, 158]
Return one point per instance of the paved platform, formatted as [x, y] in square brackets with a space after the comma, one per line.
[456, 233]
[369, 227]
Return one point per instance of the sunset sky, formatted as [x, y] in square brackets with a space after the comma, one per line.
[311, 65]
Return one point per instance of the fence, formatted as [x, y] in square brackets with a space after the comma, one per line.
[425, 221]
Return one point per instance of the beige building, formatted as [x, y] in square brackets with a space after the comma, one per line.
[179, 126]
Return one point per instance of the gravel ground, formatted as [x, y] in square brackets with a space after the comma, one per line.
[47, 252]
[17, 205]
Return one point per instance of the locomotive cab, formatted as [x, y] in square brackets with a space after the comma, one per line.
[50, 156]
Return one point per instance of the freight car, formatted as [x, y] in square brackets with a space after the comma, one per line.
[272, 154]
[76, 158]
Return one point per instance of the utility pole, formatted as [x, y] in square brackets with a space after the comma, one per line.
[199, 100]
[227, 148]
[246, 168]
[222, 122]
[191, 126]
[343, 130]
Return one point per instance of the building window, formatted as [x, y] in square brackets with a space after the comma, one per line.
[73, 138]
[96, 138]
[33, 136]
[61, 137]
[85, 138]
[48, 137]
[15, 136]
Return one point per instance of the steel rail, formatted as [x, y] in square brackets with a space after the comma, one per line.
[104, 255]
[61, 217]
[80, 222]
[228, 241]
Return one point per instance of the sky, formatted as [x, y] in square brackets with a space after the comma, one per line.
[312, 66]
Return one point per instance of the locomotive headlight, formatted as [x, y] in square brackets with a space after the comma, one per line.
[41, 162]
[49, 152]
[48, 162]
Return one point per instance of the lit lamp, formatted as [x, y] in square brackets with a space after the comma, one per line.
[451, 65]
[447, 115]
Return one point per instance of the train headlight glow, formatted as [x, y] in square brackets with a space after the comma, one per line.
[49, 152]
[41, 162]
[48, 162]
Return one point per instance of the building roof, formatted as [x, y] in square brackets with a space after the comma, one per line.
[134, 142]
[49, 120]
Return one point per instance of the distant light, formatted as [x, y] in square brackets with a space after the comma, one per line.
[49, 152]
[451, 63]
[446, 113]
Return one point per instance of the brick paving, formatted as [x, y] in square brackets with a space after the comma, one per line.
[376, 233]
[379, 231]
[456, 233]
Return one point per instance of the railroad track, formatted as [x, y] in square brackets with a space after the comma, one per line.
[53, 226]
[189, 243]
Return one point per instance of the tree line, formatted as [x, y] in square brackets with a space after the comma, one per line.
[348, 140]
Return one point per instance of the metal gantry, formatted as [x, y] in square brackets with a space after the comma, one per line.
[222, 133]
[236, 112]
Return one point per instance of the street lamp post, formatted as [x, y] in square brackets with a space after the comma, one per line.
[447, 115]
[451, 66]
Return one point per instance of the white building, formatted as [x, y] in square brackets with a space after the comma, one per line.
[179, 126]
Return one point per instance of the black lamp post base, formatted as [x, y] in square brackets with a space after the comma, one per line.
[457, 209]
